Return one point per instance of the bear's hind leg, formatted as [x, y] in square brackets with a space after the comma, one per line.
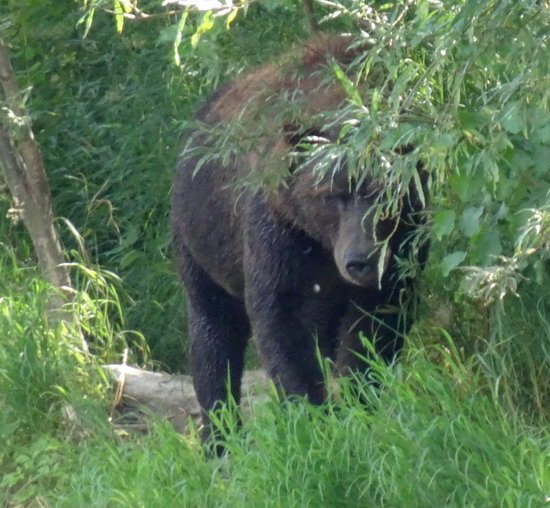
[218, 331]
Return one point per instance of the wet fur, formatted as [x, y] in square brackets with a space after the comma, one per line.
[263, 263]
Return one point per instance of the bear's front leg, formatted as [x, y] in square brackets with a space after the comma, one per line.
[218, 332]
[366, 319]
[281, 265]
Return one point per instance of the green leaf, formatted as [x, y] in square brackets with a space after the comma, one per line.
[467, 186]
[541, 156]
[347, 84]
[87, 19]
[231, 17]
[471, 120]
[381, 258]
[485, 247]
[543, 133]
[521, 160]
[422, 9]
[443, 223]
[178, 37]
[205, 25]
[418, 187]
[469, 222]
[444, 141]
[119, 15]
[451, 261]
[512, 119]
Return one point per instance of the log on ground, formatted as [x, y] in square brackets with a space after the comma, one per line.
[141, 393]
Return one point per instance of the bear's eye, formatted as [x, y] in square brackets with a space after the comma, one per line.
[338, 197]
[385, 229]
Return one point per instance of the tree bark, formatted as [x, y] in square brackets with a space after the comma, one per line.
[27, 182]
[310, 15]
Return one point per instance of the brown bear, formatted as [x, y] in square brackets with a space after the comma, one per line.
[298, 263]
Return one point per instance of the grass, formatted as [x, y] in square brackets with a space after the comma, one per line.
[415, 447]
[439, 433]
[463, 430]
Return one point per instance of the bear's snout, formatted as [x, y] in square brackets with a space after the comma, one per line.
[361, 268]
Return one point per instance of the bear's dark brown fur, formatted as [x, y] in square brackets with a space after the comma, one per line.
[298, 266]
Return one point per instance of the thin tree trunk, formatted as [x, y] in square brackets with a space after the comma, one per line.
[27, 182]
[310, 15]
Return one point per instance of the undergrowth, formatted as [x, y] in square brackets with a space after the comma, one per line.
[446, 433]
[436, 434]
[107, 112]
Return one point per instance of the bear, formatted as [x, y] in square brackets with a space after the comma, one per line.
[303, 264]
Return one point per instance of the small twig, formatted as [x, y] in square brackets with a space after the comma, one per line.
[120, 385]
[143, 16]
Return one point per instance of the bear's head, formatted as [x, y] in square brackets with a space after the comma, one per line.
[267, 114]
[345, 214]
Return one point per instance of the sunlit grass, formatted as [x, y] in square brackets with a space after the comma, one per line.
[436, 434]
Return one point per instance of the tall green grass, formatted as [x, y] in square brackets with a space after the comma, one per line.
[442, 433]
[434, 435]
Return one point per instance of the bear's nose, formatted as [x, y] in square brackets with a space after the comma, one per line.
[359, 268]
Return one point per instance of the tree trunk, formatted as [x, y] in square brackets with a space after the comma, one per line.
[27, 182]
[310, 15]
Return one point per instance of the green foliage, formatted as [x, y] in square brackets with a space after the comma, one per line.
[465, 82]
[107, 111]
[97, 135]
[51, 392]
[434, 435]
[42, 366]
[470, 80]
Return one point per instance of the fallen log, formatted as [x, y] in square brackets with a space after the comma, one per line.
[141, 393]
